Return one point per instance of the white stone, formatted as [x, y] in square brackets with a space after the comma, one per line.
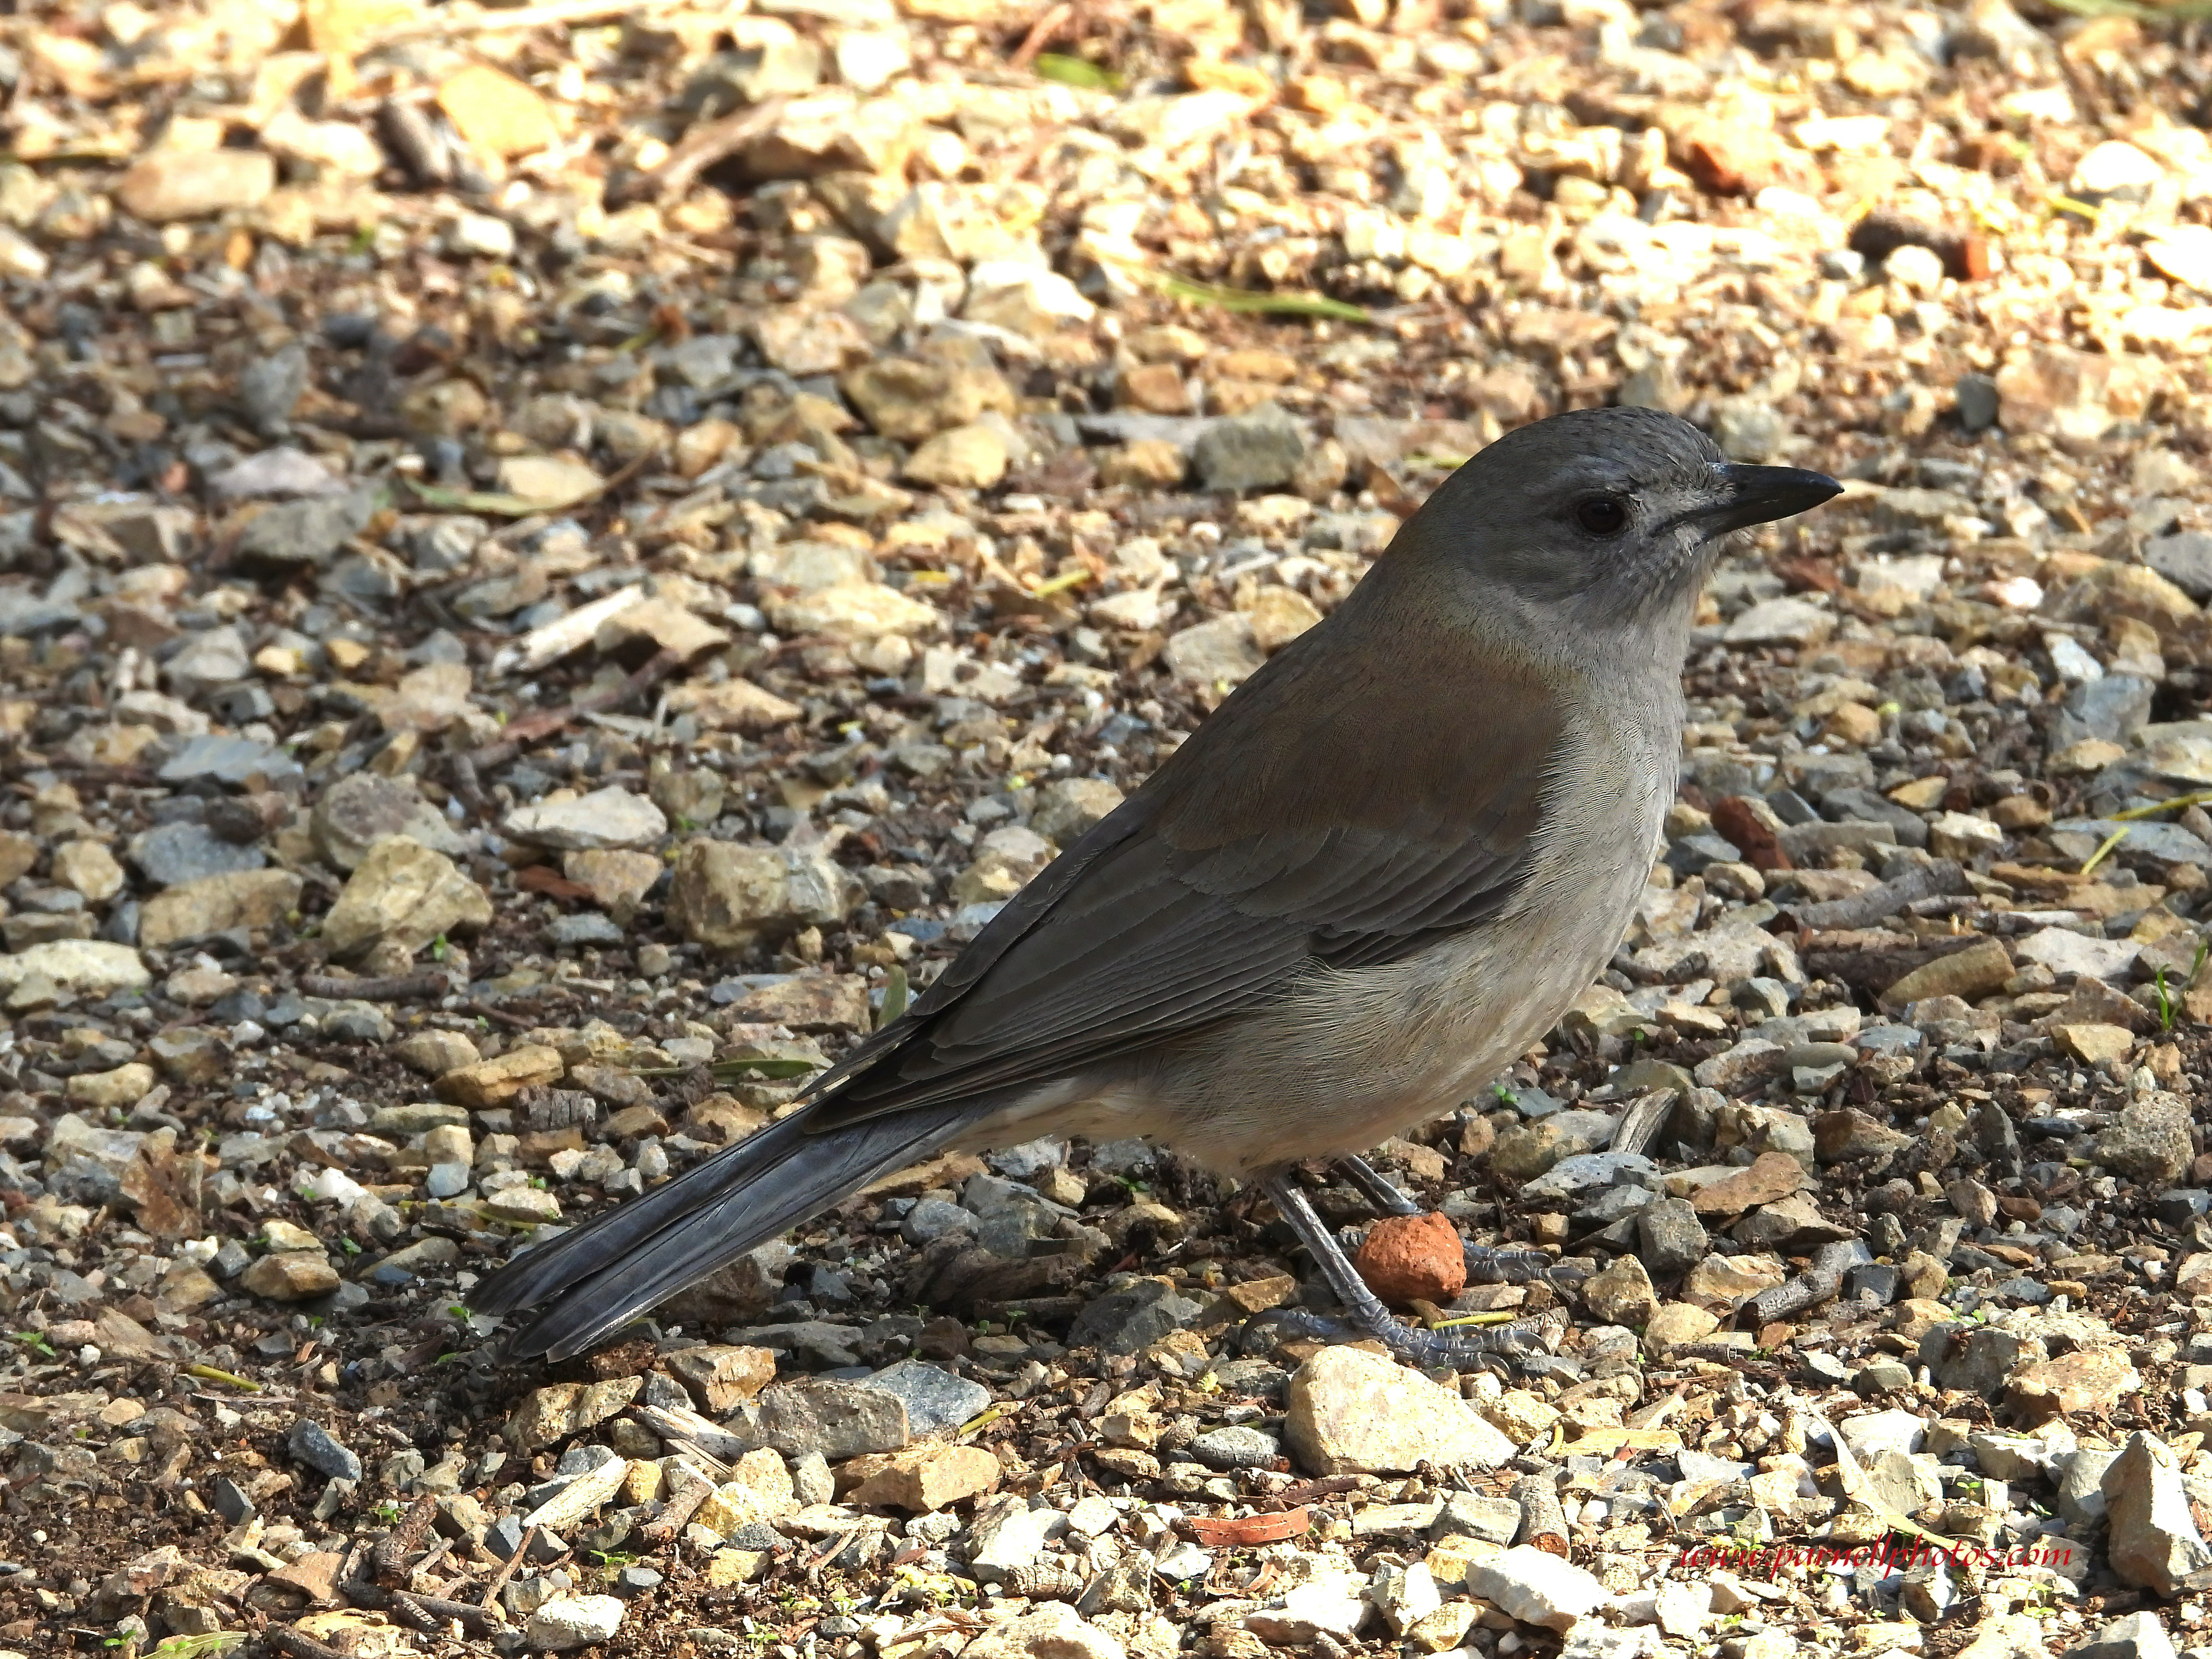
[2064, 952]
[2113, 167]
[1536, 1587]
[1873, 1433]
[1333, 1605]
[481, 235]
[868, 60]
[606, 819]
[93, 967]
[574, 1621]
[1781, 621]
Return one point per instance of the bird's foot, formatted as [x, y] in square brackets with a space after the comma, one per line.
[1458, 1348]
[1366, 1316]
[1487, 1265]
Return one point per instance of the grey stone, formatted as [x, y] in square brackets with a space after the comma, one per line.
[932, 1218]
[822, 1414]
[1673, 1238]
[2138, 1636]
[1977, 1359]
[1854, 804]
[2152, 1538]
[214, 657]
[1235, 1447]
[172, 852]
[359, 810]
[1536, 1588]
[609, 818]
[1126, 1320]
[2156, 843]
[315, 1446]
[227, 760]
[2113, 709]
[1748, 428]
[2080, 1495]
[1977, 398]
[935, 1399]
[1255, 451]
[2184, 559]
[586, 927]
[1009, 1536]
[1904, 1481]
[2150, 1142]
[1875, 1432]
[271, 387]
[1477, 1515]
[1586, 1172]
[292, 534]
[574, 1621]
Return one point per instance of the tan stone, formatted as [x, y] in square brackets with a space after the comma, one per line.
[734, 705]
[2093, 1044]
[291, 1276]
[1772, 1175]
[2087, 1380]
[1676, 1325]
[495, 1081]
[920, 1478]
[497, 113]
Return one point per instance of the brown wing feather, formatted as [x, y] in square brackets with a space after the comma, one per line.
[1304, 823]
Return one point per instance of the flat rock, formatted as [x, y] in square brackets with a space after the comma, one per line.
[1536, 1587]
[605, 818]
[935, 1399]
[1355, 1412]
[567, 1622]
[920, 1479]
[1772, 1176]
[2087, 1380]
[1049, 1630]
[218, 904]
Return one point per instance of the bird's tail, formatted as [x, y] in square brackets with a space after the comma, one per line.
[589, 1282]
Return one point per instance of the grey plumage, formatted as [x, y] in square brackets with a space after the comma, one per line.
[1365, 884]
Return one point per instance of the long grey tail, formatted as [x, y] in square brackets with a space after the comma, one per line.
[591, 1281]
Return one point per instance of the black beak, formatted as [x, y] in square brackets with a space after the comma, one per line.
[1760, 494]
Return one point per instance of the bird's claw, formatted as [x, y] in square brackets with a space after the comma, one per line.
[1487, 1265]
[1461, 1349]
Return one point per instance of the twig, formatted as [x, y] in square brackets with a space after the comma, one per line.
[1040, 33]
[702, 147]
[425, 1613]
[385, 1561]
[389, 988]
[468, 785]
[298, 1645]
[507, 1568]
[531, 727]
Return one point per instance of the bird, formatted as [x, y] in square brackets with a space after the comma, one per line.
[1361, 889]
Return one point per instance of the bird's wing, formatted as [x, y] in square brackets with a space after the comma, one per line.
[1304, 824]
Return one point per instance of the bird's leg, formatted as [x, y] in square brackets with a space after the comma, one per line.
[1374, 1188]
[1484, 1266]
[1368, 1316]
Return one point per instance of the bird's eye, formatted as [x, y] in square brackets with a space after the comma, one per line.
[1602, 515]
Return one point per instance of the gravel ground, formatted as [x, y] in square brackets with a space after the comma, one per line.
[555, 563]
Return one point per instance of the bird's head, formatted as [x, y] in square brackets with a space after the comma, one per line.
[1612, 516]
